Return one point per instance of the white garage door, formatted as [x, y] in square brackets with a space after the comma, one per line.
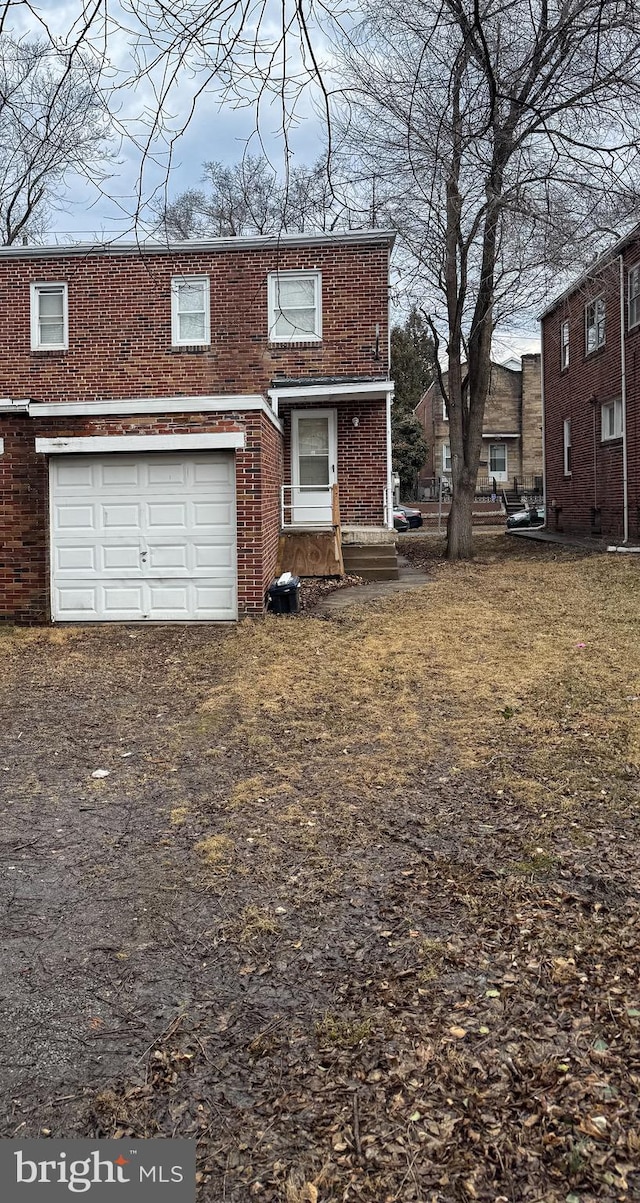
[143, 536]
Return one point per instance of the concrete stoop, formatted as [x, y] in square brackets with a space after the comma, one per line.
[371, 561]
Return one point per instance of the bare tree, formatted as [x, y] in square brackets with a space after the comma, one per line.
[501, 132]
[52, 123]
[250, 197]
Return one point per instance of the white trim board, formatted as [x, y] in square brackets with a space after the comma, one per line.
[95, 444]
[1, 446]
[371, 387]
[154, 405]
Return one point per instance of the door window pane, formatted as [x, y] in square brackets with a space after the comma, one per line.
[314, 471]
[313, 436]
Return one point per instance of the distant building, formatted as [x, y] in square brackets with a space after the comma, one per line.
[511, 453]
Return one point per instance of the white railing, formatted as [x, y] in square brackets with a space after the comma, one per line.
[314, 500]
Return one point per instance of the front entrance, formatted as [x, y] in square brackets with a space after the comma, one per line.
[313, 465]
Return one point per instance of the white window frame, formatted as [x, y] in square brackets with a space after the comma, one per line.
[445, 416]
[498, 474]
[633, 296]
[176, 283]
[595, 314]
[274, 283]
[566, 446]
[446, 459]
[614, 408]
[38, 287]
[564, 346]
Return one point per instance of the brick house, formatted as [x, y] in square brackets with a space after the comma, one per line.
[512, 431]
[591, 357]
[167, 411]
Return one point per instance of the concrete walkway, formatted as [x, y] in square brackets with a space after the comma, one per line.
[540, 535]
[409, 578]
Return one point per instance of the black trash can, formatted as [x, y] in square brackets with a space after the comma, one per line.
[285, 599]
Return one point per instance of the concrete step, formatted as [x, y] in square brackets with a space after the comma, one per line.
[375, 574]
[371, 561]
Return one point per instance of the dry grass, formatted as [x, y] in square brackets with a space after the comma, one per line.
[483, 669]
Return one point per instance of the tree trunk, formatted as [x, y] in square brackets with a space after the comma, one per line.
[460, 521]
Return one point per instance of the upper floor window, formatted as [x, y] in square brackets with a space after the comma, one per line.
[295, 307]
[594, 325]
[634, 295]
[190, 321]
[49, 317]
[446, 458]
[445, 416]
[611, 420]
[564, 345]
[566, 445]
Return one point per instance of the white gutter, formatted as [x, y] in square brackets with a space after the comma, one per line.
[623, 383]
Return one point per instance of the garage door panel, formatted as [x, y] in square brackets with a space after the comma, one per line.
[75, 559]
[119, 474]
[124, 548]
[167, 516]
[68, 516]
[79, 601]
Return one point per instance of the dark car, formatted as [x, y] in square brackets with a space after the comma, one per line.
[414, 517]
[400, 523]
[534, 516]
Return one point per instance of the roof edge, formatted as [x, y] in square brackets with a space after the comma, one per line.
[204, 245]
[597, 265]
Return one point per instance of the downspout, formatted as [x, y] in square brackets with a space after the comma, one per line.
[389, 507]
[544, 428]
[623, 388]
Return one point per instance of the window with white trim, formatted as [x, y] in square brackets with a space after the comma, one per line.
[594, 315]
[49, 317]
[566, 446]
[498, 459]
[445, 416]
[564, 346]
[634, 295]
[295, 307]
[190, 320]
[611, 420]
[446, 458]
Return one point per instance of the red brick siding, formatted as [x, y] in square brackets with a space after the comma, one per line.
[578, 394]
[24, 492]
[362, 457]
[271, 480]
[120, 323]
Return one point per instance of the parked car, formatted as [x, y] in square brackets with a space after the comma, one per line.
[414, 517]
[534, 516]
[400, 523]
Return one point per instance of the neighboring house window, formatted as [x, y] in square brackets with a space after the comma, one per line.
[445, 416]
[594, 325]
[446, 457]
[295, 307]
[564, 345]
[49, 317]
[566, 443]
[611, 420]
[498, 460]
[634, 295]
[190, 322]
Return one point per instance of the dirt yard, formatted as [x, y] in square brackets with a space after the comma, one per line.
[356, 905]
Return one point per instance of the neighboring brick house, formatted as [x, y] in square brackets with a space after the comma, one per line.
[591, 357]
[512, 432]
[166, 410]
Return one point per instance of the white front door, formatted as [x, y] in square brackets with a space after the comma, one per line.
[498, 462]
[313, 465]
[143, 536]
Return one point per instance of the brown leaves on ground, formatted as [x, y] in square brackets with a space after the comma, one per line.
[403, 894]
